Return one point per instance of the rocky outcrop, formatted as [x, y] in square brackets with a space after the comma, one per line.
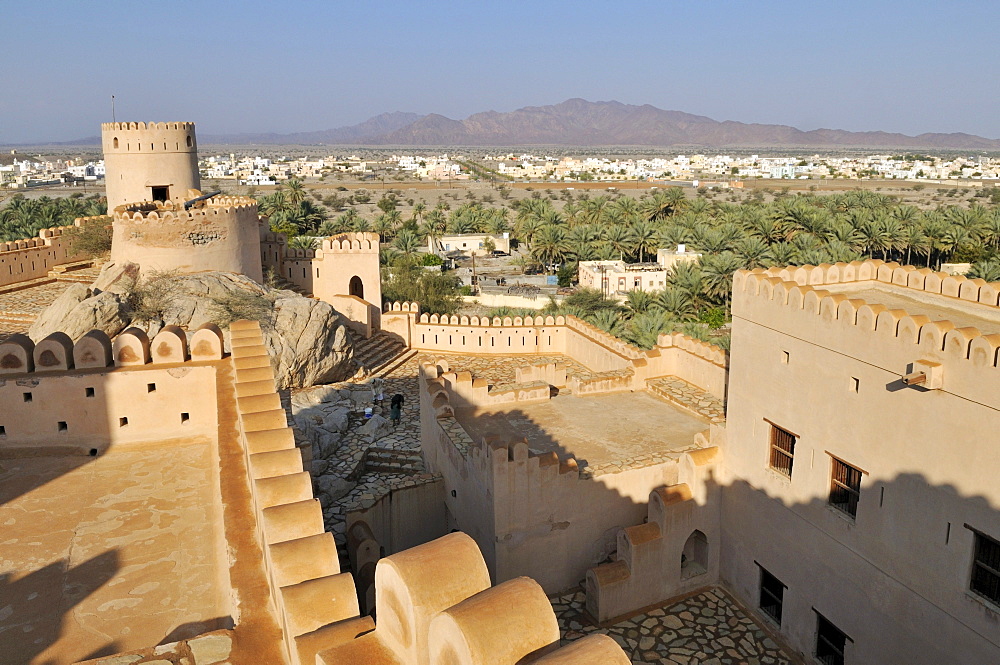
[306, 339]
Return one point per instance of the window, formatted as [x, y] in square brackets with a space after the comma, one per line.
[782, 450]
[3, 432]
[830, 642]
[772, 594]
[986, 568]
[845, 487]
[26, 397]
[123, 422]
[150, 387]
[185, 417]
[161, 193]
[90, 392]
[62, 426]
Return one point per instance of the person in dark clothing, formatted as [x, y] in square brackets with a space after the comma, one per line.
[396, 409]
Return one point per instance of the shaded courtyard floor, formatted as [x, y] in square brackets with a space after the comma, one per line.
[707, 628]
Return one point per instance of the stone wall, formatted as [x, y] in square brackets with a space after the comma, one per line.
[530, 513]
[33, 258]
[82, 398]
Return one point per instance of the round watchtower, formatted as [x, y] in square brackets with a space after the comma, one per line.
[222, 233]
[149, 161]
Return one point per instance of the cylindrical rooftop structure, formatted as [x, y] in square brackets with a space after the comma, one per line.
[149, 161]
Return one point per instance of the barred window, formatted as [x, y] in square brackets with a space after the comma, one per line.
[772, 594]
[986, 568]
[845, 487]
[830, 642]
[782, 450]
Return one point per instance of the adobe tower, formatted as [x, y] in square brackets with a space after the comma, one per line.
[154, 161]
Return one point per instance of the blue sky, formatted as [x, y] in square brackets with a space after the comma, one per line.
[912, 67]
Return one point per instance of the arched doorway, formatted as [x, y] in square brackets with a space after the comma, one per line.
[694, 559]
[356, 288]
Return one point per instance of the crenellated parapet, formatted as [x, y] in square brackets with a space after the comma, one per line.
[710, 352]
[828, 301]
[874, 270]
[33, 258]
[402, 307]
[219, 234]
[351, 243]
[147, 126]
[96, 350]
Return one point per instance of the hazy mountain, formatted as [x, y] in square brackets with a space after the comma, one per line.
[582, 123]
[577, 122]
[380, 125]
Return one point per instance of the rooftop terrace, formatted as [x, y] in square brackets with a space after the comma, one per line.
[936, 307]
[109, 554]
[597, 430]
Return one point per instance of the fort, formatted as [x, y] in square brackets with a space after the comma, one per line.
[823, 492]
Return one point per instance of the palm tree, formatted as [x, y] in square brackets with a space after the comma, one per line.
[676, 302]
[717, 271]
[407, 242]
[639, 301]
[551, 244]
[643, 237]
[303, 242]
[295, 191]
[618, 239]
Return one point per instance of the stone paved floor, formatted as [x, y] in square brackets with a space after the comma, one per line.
[707, 628]
[691, 397]
[33, 300]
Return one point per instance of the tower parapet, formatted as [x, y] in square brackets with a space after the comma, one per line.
[149, 161]
[219, 234]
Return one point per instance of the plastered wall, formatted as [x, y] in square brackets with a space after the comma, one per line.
[827, 367]
[33, 258]
[531, 514]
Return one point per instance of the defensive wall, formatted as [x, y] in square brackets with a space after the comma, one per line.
[82, 398]
[148, 161]
[434, 602]
[343, 271]
[220, 234]
[531, 512]
[33, 258]
[699, 363]
[821, 352]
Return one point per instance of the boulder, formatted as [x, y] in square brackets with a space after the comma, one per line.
[337, 419]
[318, 467]
[375, 428]
[306, 338]
[334, 487]
[78, 310]
[309, 397]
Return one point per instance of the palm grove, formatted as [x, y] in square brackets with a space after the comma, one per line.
[564, 228]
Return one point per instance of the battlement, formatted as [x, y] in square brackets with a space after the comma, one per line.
[148, 137]
[956, 300]
[219, 234]
[96, 350]
[402, 307]
[168, 211]
[146, 126]
[906, 277]
[350, 243]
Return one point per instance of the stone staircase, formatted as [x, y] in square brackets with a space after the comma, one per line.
[387, 460]
[379, 354]
[284, 285]
[688, 397]
[85, 272]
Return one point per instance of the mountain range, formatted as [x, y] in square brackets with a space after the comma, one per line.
[577, 122]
